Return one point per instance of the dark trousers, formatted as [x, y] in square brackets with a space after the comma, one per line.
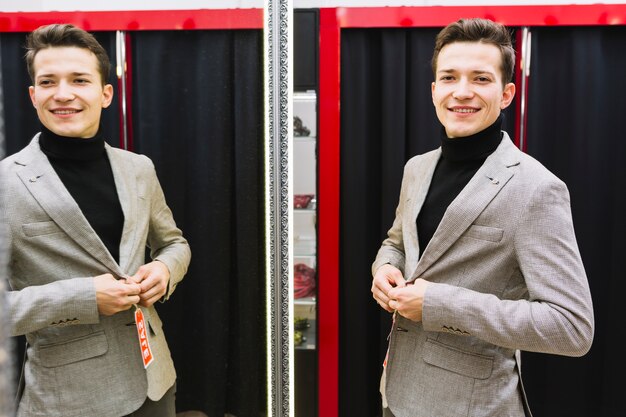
[165, 407]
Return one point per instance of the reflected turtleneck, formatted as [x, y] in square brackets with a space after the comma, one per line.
[74, 149]
[459, 161]
[85, 170]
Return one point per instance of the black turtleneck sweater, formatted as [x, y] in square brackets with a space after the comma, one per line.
[84, 169]
[459, 161]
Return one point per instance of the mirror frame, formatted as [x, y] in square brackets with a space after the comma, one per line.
[276, 23]
[279, 216]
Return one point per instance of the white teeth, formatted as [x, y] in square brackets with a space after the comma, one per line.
[65, 111]
[464, 110]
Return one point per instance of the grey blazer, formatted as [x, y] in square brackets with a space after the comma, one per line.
[80, 363]
[505, 275]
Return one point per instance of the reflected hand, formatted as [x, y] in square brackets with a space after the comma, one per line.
[385, 279]
[153, 278]
[113, 296]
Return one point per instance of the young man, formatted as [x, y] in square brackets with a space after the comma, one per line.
[481, 261]
[80, 215]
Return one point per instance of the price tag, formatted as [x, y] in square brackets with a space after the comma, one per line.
[393, 324]
[144, 345]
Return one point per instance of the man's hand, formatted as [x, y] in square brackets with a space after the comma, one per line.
[153, 278]
[113, 296]
[386, 278]
[409, 301]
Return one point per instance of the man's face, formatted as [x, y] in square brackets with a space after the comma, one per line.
[467, 92]
[68, 92]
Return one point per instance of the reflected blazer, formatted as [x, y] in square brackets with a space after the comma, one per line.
[505, 275]
[79, 362]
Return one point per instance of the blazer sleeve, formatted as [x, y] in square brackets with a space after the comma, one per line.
[165, 239]
[557, 314]
[57, 304]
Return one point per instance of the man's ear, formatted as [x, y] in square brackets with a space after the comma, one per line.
[432, 91]
[507, 95]
[107, 95]
[31, 93]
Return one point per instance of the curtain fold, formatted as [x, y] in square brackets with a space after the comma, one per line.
[575, 113]
[386, 117]
[198, 114]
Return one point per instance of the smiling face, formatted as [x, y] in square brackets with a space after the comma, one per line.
[468, 92]
[69, 94]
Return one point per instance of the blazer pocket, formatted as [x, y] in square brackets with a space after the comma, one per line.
[456, 360]
[40, 228]
[491, 234]
[90, 346]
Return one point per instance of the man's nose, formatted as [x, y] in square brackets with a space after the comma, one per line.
[463, 90]
[63, 92]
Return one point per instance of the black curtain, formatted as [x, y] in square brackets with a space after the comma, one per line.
[198, 114]
[576, 106]
[387, 116]
[20, 117]
[305, 49]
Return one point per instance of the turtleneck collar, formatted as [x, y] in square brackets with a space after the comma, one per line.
[476, 146]
[77, 149]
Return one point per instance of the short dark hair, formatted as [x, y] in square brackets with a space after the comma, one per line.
[65, 35]
[478, 30]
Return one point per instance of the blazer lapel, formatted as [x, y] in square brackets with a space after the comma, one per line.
[416, 196]
[124, 176]
[46, 187]
[490, 178]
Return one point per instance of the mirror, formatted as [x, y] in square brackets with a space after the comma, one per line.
[229, 197]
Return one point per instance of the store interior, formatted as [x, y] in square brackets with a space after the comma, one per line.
[195, 101]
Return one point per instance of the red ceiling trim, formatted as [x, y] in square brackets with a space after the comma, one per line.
[137, 19]
[439, 16]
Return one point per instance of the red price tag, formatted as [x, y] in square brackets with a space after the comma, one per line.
[146, 353]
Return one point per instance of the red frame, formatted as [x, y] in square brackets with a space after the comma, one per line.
[137, 19]
[332, 20]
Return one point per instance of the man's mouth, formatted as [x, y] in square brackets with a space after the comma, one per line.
[463, 110]
[65, 112]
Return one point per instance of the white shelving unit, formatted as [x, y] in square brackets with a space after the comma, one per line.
[305, 217]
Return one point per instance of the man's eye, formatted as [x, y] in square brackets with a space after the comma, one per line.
[483, 79]
[447, 78]
[81, 81]
[45, 83]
